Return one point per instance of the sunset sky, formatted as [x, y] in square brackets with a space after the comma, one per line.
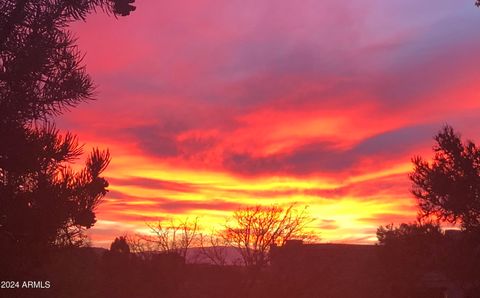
[208, 106]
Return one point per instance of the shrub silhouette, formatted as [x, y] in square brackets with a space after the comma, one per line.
[120, 246]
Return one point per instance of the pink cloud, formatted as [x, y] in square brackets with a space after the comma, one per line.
[275, 89]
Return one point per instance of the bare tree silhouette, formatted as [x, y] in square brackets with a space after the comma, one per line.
[170, 237]
[253, 230]
[214, 249]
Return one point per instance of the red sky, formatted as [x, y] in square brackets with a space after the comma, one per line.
[207, 106]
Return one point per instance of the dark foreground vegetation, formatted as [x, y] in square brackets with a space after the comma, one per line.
[46, 206]
[336, 272]
[411, 265]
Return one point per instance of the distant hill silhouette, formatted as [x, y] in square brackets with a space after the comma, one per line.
[195, 255]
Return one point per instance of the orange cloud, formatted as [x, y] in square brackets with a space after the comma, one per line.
[322, 103]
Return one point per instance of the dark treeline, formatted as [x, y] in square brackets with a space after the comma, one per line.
[46, 206]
